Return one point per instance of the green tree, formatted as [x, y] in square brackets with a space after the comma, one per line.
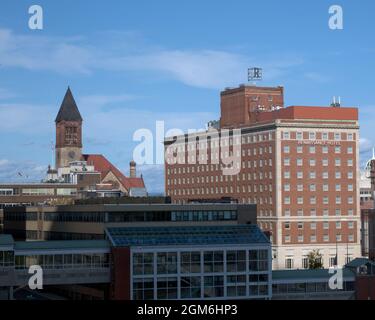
[315, 260]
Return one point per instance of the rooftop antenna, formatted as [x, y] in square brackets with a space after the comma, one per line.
[336, 103]
[53, 153]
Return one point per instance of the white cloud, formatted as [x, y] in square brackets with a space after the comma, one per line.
[203, 68]
[199, 67]
[61, 55]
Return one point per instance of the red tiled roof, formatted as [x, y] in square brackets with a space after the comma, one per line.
[102, 165]
[136, 182]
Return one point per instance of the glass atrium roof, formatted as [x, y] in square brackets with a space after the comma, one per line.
[191, 235]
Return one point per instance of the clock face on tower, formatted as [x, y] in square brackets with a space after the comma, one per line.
[71, 154]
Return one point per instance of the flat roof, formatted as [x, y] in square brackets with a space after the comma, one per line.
[311, 113]
[138, 207]
[189, 235]
[64, 244]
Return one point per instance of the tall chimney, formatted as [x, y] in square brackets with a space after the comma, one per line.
[133, 170]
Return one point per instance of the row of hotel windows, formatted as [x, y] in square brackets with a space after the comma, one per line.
[216, 166]
[312, 187]
[251, 176]
[286, 149]
[214, 142]
[198, 262]
[289, 262]
[255, 163]
[286, 135]
[313, 212]
[313, 200]
[313, 175]
[312, 149]
[221, 178]
[213, 154]
[219, 191]
[337, 136]
[250, 164]
[313, 238]
[312, 162]
[300, 225]
[250, 188]
[198, 287]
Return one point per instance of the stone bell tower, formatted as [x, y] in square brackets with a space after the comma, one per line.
[68, 132]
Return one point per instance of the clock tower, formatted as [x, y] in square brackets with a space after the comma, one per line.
[68, 132]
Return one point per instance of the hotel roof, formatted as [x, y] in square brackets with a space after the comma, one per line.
[310, 113]
[191, 235]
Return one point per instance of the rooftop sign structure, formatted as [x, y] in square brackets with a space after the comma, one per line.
[255, 74]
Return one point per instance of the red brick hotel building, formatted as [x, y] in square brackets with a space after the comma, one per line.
[299, 164]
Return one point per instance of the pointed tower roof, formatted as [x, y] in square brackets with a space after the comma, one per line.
[68, 110]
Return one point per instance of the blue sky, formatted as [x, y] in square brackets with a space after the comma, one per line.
[132, 63]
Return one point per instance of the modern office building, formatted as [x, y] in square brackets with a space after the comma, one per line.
[190, 262]
[299, 164]
[74, 222]
[211, 262]
[83, 266]
[194, 262]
